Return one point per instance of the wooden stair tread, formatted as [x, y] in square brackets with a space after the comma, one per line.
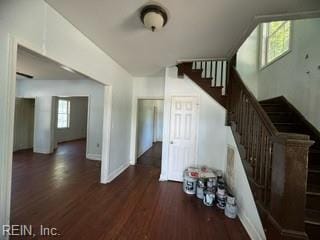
[312, 217]
[286, 123]
[278, 113]
[313, 190]
[314, 169]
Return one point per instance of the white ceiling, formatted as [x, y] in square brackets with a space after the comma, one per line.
[42, 68]
[195, 29]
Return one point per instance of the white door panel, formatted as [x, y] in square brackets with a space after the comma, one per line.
[183, 125]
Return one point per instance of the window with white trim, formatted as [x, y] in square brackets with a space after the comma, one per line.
[275, 41]
[63, 120]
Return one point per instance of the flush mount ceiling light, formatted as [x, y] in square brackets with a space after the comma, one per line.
[154, 17]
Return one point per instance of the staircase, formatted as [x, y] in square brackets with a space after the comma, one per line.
[286, 118]
[211, 76]
[273, 140]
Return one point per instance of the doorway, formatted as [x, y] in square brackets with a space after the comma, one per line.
[149, 132]
[23, 124]
[71, 115]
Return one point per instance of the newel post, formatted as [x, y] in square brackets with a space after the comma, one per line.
[288, 187]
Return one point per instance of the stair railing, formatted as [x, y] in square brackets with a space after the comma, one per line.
[217, 70]
[275, 163]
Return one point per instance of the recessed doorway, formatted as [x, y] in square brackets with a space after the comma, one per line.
[149, 132]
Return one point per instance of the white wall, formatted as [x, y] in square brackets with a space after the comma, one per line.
[85, 87]
[247, 61]
[145, 125]
[248, 213]
[37, 26]
[144, 88]
[23, 124]
[43, 125]
[159, 120]
[148, 86]
[211, 130]
[78, 120]
[287, 76]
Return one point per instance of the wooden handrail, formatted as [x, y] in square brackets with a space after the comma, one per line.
[255, 104]
[277, 162]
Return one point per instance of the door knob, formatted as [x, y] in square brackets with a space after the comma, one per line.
[171, 142]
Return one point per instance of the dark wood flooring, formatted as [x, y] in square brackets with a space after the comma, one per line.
[62, 190]
[152, 157]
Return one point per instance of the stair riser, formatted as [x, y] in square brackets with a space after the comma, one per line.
[274, 108]
[280, 118]
[288, 128]
[314, 178]
[313, 231]
[314, 159]
[313, 202]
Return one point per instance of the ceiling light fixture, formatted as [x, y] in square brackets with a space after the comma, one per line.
[153, 17]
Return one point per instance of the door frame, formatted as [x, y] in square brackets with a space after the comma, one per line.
[167, 129]
[134, 126]
[56, 98]
[6, 141]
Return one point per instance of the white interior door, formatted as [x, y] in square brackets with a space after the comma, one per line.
[182, 145]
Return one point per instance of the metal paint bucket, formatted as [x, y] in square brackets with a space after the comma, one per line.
[221, 197]
[212, 183]
[231, 208]
[209, 198]
[189, 184]
[200, 188]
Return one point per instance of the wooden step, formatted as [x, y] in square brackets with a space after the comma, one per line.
[280, 117]
[290, 127]
[313, 176]
[312, 223]
[314, 157]
[313, 197]
[312, 217]
[274, 107]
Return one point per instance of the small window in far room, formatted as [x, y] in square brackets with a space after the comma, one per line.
[63, 113]
[275, 41]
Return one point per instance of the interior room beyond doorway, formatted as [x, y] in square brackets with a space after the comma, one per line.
[149, 132]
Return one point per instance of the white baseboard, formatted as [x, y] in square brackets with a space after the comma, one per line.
[92, 156]
[42, 151]
[117, 172]
[163, 178]
[251, 230]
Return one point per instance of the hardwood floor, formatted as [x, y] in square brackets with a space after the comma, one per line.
[62, 190]
[152, 157]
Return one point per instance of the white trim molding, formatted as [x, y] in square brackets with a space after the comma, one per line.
[251, 230]
[8, 61]
[93, 156]
[106, 133]
[134, 121]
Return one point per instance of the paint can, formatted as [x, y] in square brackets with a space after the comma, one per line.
[200, 188]
[208, 198]
[189, 184]
[221, 197]
[231, 199]
[231, 208]
[212, 183]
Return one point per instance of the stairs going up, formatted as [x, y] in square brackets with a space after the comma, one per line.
[209, 75]
[287, 118]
